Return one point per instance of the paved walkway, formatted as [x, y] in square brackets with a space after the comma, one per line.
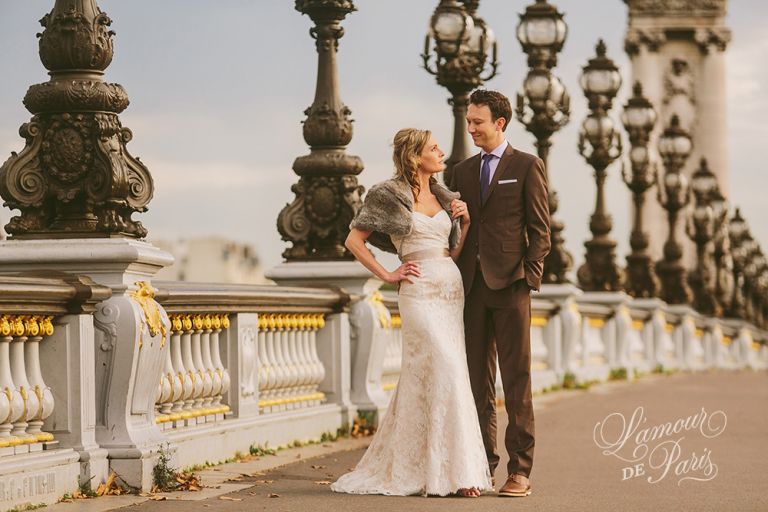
[570, 472]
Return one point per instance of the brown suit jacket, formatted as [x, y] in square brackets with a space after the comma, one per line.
[510, 231]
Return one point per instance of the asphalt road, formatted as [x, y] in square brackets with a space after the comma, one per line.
[716, 461]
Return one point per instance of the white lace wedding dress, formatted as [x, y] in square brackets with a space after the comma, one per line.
[429, 440]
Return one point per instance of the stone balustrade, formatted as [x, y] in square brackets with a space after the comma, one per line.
[241, 365]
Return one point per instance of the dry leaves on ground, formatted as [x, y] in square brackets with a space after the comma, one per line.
[361, 428]
[188, 482]
[323, 482]
[228, 498]
[318, 466]
[273, 495]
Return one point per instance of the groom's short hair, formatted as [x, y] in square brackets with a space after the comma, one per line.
[497, 103]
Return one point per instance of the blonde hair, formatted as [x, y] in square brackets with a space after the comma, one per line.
[408, 145]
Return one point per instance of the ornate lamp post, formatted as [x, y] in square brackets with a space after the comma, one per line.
[674, 147]
[462, 46]
[600, 145]
[544, 108]
[75, 178]
[639, 118]
[751, 272]
[327, 194]
[738, 231]
[701, 229]
[722, 252]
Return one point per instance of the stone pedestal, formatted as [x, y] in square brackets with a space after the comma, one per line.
[131, 337]
[659, 339]
[616, 328]
[562, 334]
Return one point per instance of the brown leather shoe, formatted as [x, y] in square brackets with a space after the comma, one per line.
[517, 486]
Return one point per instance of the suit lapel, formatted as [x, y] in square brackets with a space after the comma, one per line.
[504, 162]
[474, 182]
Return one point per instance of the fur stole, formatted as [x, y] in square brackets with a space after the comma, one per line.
[388, 210]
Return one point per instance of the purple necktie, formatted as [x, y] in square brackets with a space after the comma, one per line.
[485, 176]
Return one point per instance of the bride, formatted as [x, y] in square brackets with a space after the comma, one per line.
[429, 440]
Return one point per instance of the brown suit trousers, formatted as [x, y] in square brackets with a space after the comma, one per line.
[501, 262]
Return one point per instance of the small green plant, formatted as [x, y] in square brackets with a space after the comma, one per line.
[659, 368]
[260, 451]
[163, 474]
[85, 489]
[27, 506]
[569, 381]
[618, 374]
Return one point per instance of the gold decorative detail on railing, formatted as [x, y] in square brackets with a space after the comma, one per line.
[397, 321]
[293, 399]
[187, 323]
[389, 386]
[698, 333]
[668, 327]
[638, 325]
[597, 323]
[291, 321]
[144, 296]
[377, 301]
[539, 321]
[727, 340]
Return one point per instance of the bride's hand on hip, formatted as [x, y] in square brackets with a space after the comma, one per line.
[404, 273]
[459, 210]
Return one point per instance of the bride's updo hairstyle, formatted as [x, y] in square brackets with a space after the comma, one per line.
[408, 145]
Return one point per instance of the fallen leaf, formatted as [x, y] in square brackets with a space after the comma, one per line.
[323, 482]
[273, 495]
[318, 466]
[263, 481]
[158, 498]
[227, 498]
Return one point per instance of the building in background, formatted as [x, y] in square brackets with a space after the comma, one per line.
[211, 259]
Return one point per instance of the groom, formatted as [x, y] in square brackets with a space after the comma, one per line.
[502, 261]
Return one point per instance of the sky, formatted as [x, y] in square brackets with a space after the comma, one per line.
[218, 88]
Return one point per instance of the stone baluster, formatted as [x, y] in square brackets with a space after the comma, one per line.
[189, 365]
[37, 327]
[274, 371]
[220, 322]
[317, 397]
[19, 376]
[265, 370]
[170, 382]
[179, 410]
[197, 361]
[210, 371]
[296, 370]
[12, 402]
[281, 391]
[304, 353]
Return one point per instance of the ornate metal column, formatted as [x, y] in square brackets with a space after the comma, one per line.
[327, 193]
[701, 230]
[75, 177]
[639, 118]
[461, 45]
[543, 109]
[738, 232]
[600, 82]
[674, 147]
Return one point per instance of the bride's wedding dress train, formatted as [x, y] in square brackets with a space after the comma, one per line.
[429, 440]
